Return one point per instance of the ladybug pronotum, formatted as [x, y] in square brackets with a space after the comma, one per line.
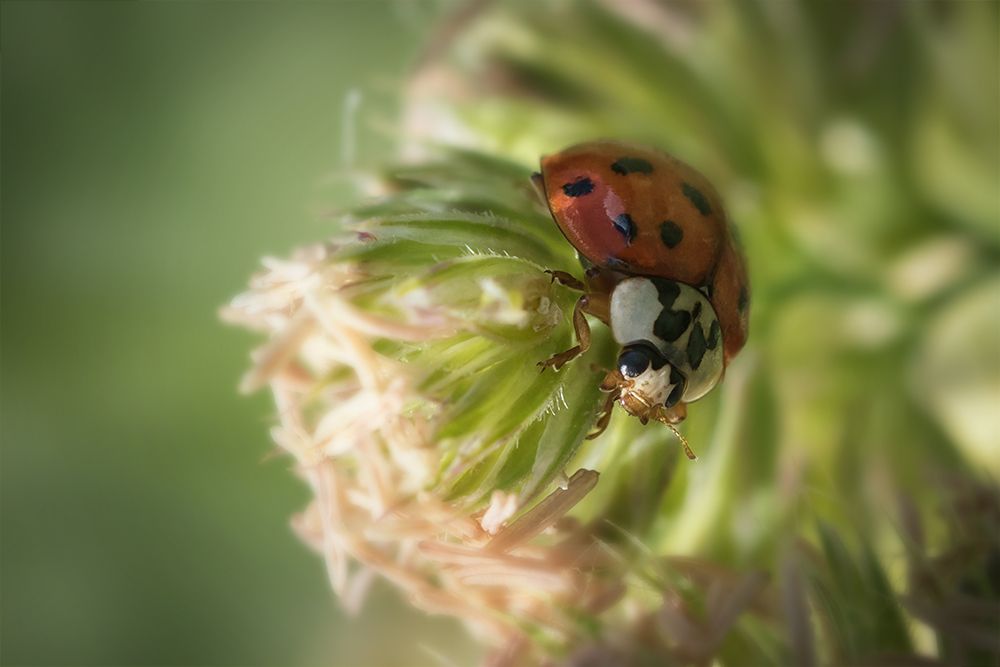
[662, 269]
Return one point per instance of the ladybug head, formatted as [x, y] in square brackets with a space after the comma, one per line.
[647, 378]
[648, 386]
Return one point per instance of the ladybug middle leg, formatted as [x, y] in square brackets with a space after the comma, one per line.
[595, 301]
[557, 361]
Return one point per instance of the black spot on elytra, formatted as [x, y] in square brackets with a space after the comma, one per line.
[671, 233]
[696, 198]
[671, 324]
[714, 332]
[743, 300]
[578, 188]
[623, 223]
[696, 346]
[631, 165]
[696, 311]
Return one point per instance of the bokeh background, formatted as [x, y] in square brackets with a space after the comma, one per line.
[153, 152]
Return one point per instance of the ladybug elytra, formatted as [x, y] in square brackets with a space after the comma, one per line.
[663, 270]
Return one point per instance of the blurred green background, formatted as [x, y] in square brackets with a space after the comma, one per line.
[152, 153]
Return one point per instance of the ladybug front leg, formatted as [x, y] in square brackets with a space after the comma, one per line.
[567, 279]
[557, 361]
[604, 417]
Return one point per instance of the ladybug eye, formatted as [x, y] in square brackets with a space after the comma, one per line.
[677, 392]
[675, 396]
[633, 362]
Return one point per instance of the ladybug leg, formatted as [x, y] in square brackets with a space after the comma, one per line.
[599, 305]
[612, 382]
[557, 361]
[568, 280]
[605, 416]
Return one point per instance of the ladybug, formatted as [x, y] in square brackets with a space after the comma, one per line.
[663, 269]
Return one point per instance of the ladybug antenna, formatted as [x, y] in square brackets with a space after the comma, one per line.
[684, 443]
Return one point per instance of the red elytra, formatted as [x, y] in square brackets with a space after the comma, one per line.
[636, 211]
